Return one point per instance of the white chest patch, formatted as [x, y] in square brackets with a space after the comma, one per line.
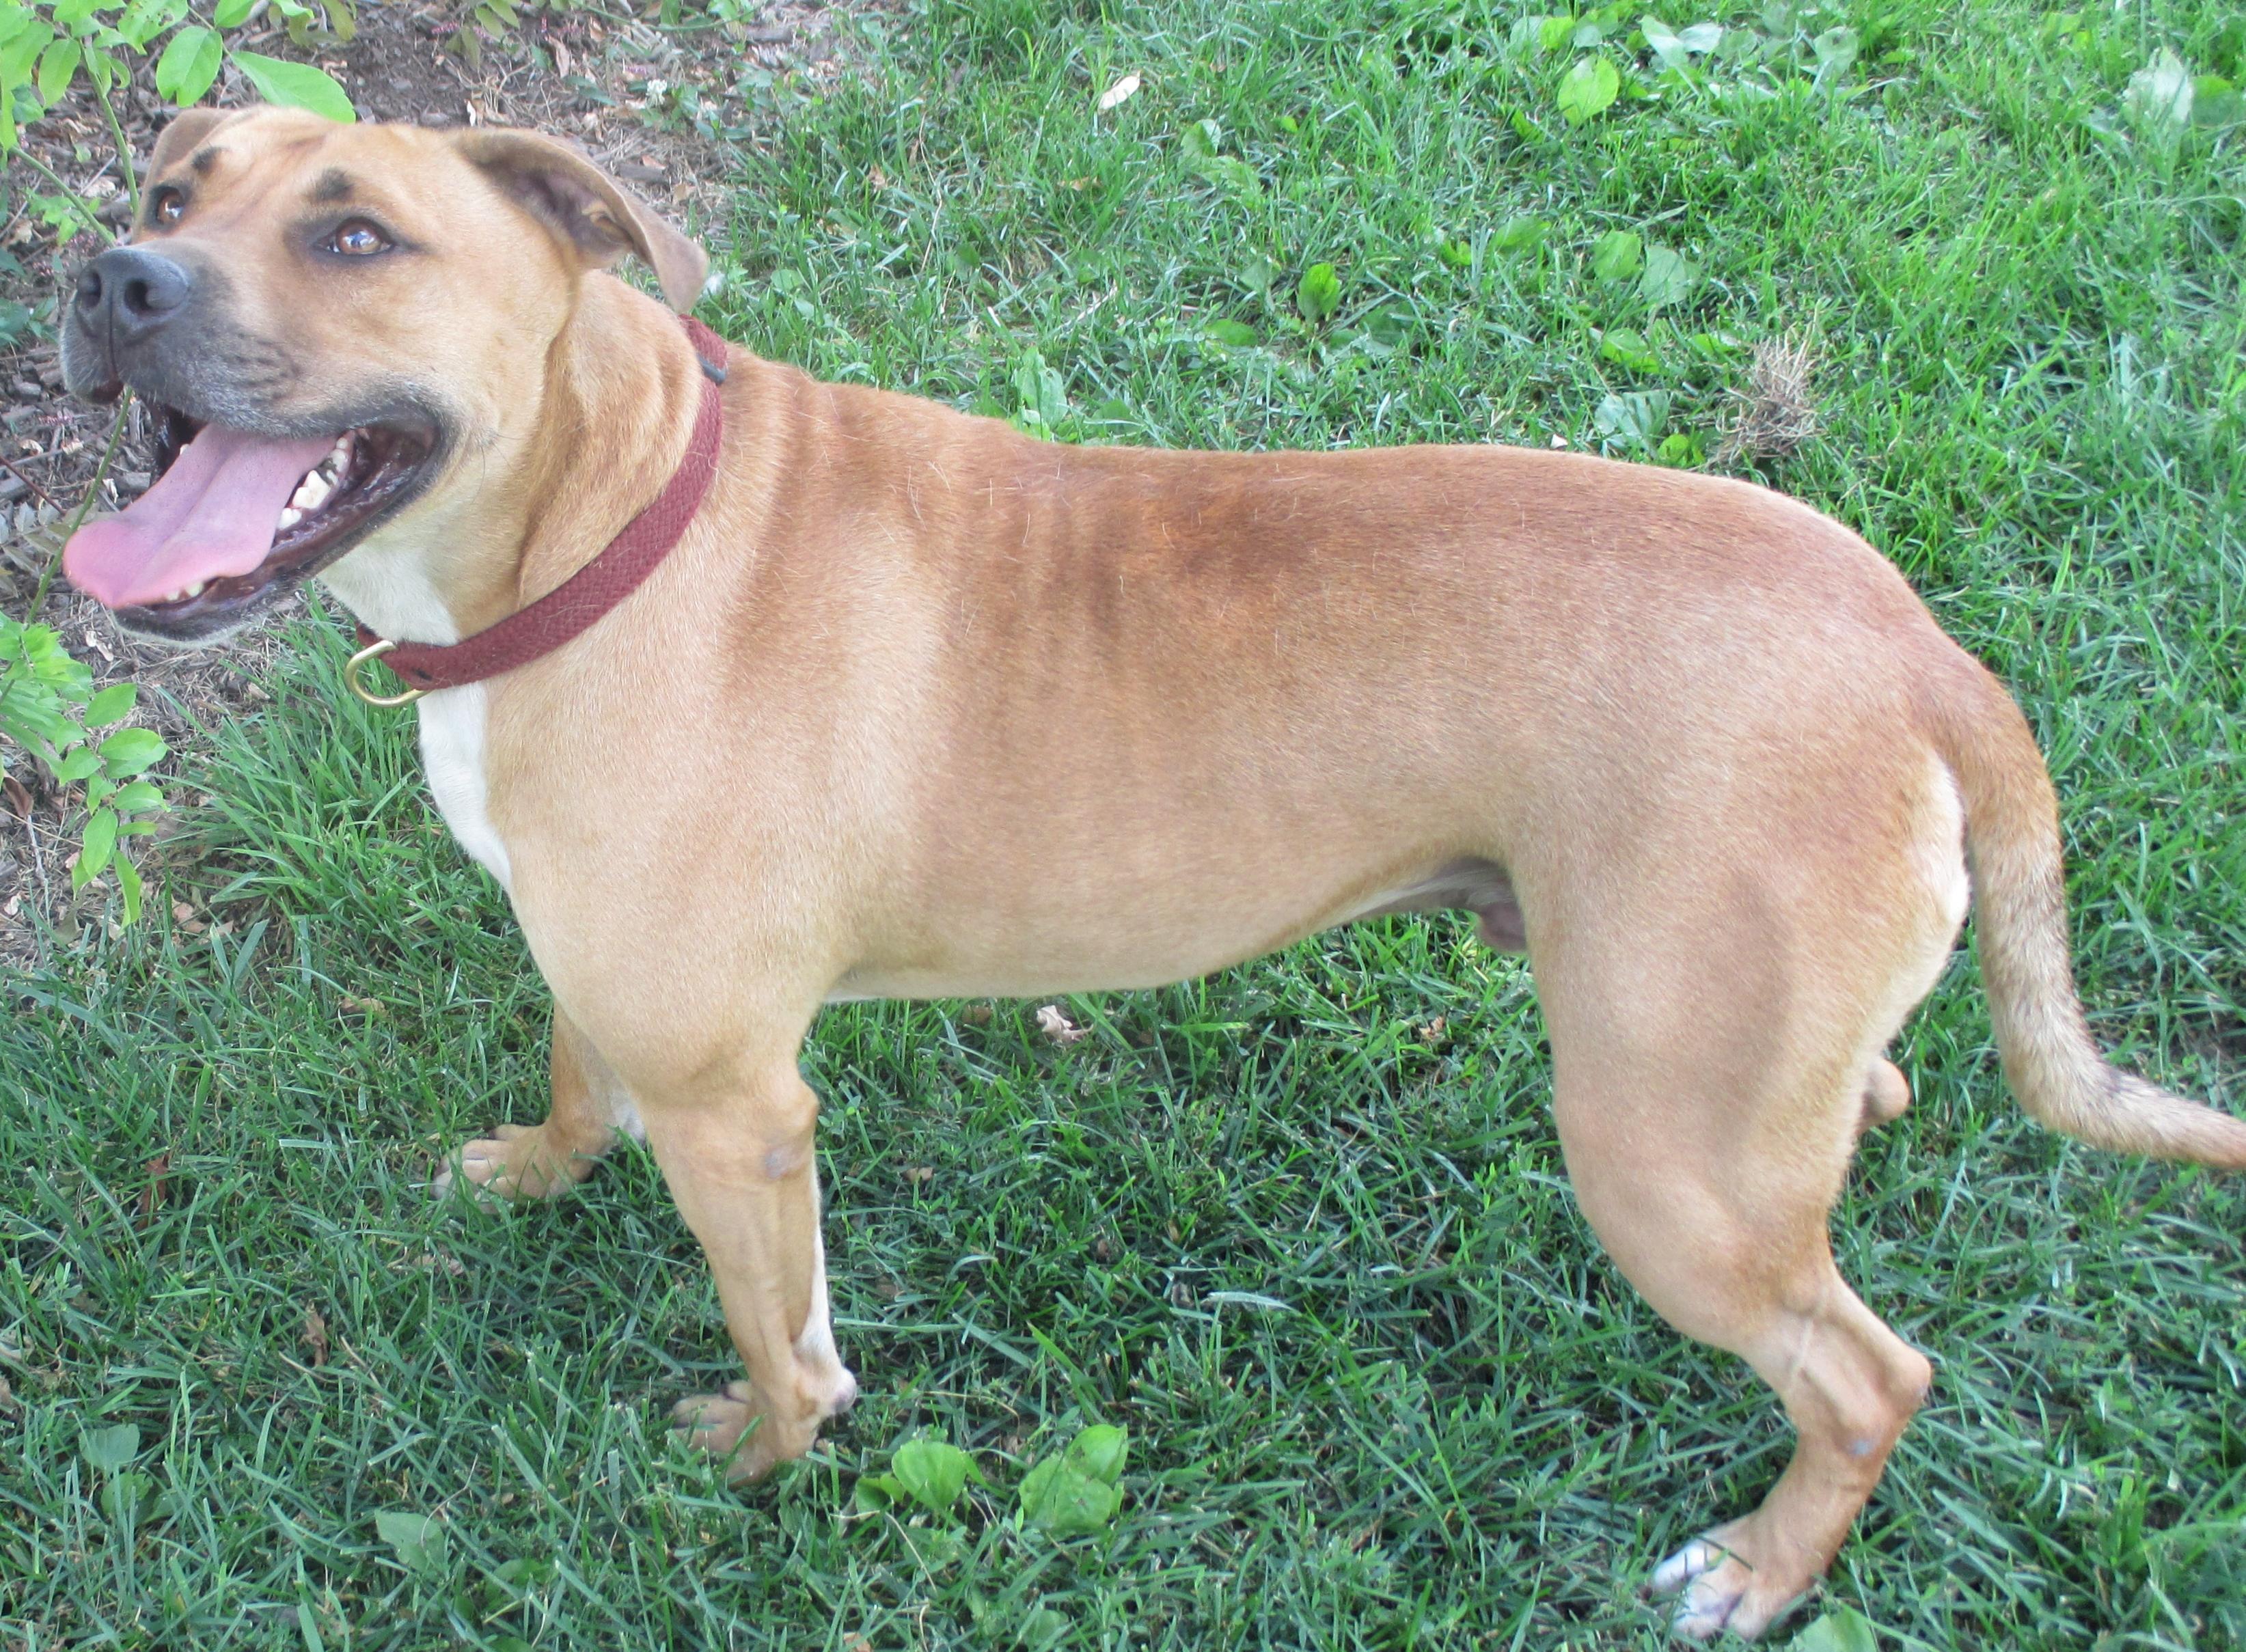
[390, 588]
[452, 752]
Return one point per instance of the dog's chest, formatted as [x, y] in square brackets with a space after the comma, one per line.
[452, 753]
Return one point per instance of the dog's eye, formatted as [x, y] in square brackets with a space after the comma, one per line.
[167, 205]
[359, 239]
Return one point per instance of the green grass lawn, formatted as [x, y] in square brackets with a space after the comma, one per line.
[1302, 1229]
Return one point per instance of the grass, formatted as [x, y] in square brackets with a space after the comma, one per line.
[1457, 1428]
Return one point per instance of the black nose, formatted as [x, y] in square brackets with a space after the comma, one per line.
[128, 292]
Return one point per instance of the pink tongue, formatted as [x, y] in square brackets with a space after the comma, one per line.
[213, 513]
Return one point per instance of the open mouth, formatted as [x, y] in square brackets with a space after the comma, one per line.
[235, 518]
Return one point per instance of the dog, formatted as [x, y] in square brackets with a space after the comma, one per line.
[1695, 748]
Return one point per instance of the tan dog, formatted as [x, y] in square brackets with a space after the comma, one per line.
[1696, 747]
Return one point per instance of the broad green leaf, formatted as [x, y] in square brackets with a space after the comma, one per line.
[1667, 45]
[931, 1472]
[1668, 278]
[127, 1494]
[112, 705]
[135, 797]
[1636, 418]
[1059, 1496]
[1588, 89]
[1201, 139]
[111, 1448]
[1518, 234]
[1846, 1630]
[295, 86]
[2159, 94]
[22, 52]
[418, 1542]
[1836, 51]
[1701, 37]
[1100, 1450]
[128, 885]
[1319, 294]
[81, 765]
[1617, 255]
[1629, 349]
[2215, 102]
[1234, 334]
[230, 14]
[99, 843]
[188, 66]
[57, 64]
[129, 750]
[1231, 173]
[877, 1492]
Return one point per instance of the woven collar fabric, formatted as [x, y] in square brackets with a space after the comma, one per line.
[586, 596]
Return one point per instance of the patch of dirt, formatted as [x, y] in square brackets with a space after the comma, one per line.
[661, 109]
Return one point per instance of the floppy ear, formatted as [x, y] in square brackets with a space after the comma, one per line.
[588, 209]
[188, 128]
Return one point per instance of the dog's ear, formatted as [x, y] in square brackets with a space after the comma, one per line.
[587, 208]
[188, 128]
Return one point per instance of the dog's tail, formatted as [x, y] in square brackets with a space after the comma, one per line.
[2019, 898]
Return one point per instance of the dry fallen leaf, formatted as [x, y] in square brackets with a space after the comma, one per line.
[1057, 1026]
[430, 1262]
[1121, 92]
[917, 1174]
[153, 1195]
[314, 1335]
[369, 1007]
[977, 1015]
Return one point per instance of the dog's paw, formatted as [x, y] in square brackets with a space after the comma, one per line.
[728, 1424]
[512, 1165]
[1718, 1590]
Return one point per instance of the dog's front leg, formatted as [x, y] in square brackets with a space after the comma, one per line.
[738, 1157]
[590, 1105]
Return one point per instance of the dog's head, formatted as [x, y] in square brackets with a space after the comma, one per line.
[332, 327]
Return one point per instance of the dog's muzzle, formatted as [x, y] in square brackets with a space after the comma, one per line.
[128, 292]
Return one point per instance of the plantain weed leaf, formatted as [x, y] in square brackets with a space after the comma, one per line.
[1617, 255]
[1846, 1630]
[1588, 89]
[110, 1449]
[418, 1540]
[932, 1474]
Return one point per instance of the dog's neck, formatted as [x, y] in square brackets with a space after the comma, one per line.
[620, 392]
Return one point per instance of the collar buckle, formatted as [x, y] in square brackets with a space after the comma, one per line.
[366, 656]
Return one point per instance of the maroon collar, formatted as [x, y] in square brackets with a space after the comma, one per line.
[586, 595]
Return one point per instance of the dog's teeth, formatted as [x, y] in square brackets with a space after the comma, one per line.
[289, 517]
[312, 492]
[196, 589]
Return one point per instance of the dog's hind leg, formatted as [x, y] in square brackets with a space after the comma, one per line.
[1723, 1230]
[591, 1105]
[1716, 1052]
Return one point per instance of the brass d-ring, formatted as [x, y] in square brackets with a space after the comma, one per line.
[373, 652]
